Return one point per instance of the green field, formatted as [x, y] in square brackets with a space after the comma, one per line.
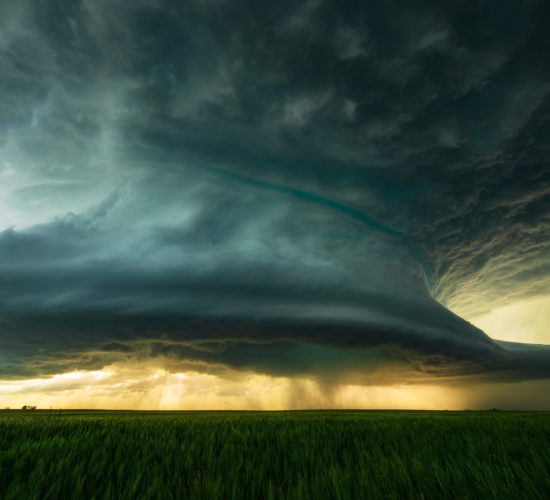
[325, 454]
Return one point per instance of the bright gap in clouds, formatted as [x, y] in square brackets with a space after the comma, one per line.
[521, 321]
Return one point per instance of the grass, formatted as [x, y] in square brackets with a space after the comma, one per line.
[325, 454]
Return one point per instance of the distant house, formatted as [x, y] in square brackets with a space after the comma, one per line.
[28, 407]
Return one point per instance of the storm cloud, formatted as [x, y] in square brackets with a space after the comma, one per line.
[293, 189]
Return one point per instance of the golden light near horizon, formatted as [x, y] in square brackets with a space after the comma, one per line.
[131, 386]
[153, 388]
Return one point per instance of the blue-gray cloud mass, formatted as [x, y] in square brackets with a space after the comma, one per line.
[288, 188]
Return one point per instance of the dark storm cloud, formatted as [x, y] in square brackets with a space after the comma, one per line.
[283, 166]
[332, 352]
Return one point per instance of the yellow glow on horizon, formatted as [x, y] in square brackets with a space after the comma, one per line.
[143, 387]
[525, 321]
[149, 386]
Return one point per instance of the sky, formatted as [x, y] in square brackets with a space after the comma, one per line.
[296, 204]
